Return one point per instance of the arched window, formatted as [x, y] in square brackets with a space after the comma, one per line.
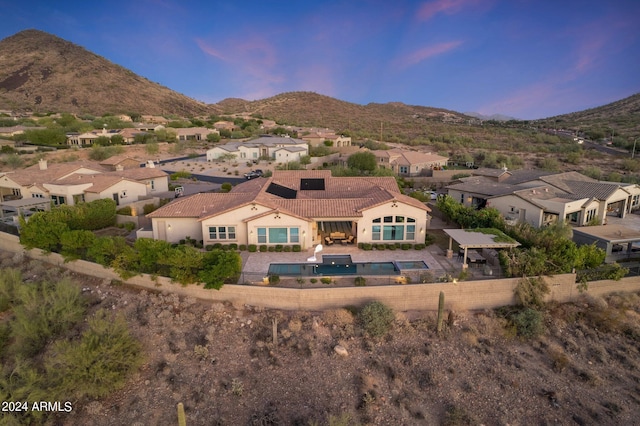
[393, 228]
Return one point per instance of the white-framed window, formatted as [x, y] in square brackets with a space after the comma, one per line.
[37, 195]
[590, 215]
[404, 170]
[16, 192]
[58, 200]
[635, 200]
[153, 184]
[222, 232]
[278, 235]
[393, 228]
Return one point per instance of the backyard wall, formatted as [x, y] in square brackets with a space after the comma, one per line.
[466, 295]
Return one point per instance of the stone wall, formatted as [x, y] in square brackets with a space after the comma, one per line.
[466, 295]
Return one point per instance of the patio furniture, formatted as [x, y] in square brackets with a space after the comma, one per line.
[350, 239]
[328, 240]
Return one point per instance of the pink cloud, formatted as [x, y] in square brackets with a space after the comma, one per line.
[210, 50]
[426, 53]
[449, 7]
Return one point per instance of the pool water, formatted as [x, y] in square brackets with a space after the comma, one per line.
[342, 265]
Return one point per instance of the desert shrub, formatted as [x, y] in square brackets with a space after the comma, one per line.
[99, 362]
[376, 319]
[528, 323]
[419, 246]
[391, 246]
[405, 246]
[10, 279]
[271, 249]
[313, 280]
[530, 292]
[242, 247]
[252, 248]
[279, 247]
[75, 244]
[367, 246]
[380, 246]
[287, 249]
[220, 267]
[360, 281]
[233, 246]
[296, 248]
[263, 249]
[226, 187]
[326, 280]
[125, 211]
[44, 311]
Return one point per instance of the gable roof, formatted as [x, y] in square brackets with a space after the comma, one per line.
[341, 197]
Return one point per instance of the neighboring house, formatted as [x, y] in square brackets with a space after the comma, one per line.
[71, 183]
[120, 162]
[129, 134]
[194, 133]
[542, 198]
[280, 149]
[154, 119]
[409, 163]
[225, 125]
[89, 138]
[319, 138]
[296, 207]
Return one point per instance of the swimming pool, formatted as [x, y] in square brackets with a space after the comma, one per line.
[342, 265]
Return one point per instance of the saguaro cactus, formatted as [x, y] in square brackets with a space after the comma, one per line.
[440, 311]
[182, 420]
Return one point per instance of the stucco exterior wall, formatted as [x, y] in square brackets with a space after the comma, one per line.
[366, 222]
[128, 192]
[176, 229]
[523, 211]
[232, 218]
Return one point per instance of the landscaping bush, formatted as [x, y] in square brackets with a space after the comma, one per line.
[274, 279]
[208, 247]
[242, 247]
[296, 248]
[271, 248]
[405, 246]
[325, 280]
[148, 208]
[125, 211]
[391, 246]
[419, 246]
[225, 247]
[279, 248]
[287, 249]
[263, 249]
[376, 319]
[252, 248]
[233, 246]
[380, 246]
[367, 246]
[313, 280]
[360, 281]
[217, 246]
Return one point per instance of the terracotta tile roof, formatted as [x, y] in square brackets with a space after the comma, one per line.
[112, 161]
[140, 173]
[53, 172]
[342, 197]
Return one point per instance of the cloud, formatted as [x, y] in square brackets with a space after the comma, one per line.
[430, 9]
[425, 53]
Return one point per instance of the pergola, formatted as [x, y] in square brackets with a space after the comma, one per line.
[24, 204]
[470, 239]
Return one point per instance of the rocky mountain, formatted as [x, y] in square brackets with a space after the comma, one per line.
[41, 72]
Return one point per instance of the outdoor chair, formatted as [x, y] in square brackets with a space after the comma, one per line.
[328, 240]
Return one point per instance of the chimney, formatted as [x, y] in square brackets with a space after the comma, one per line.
[42, 164]
[151, 164]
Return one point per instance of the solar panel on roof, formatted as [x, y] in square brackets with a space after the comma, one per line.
[282, 191]
[312, 184]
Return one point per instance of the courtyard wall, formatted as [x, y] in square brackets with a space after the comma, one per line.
[465, 295]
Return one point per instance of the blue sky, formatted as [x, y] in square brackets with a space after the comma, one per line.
[523, 58]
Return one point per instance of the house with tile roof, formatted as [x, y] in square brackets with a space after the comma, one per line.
[296, 208]
[71, 183]
[543, 198]
[409, 163]
[194, 133]
[280, 149]
[316, 138]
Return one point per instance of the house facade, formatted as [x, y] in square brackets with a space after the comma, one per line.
[409, 163]
[72, 183]
[548, 198]
[296, 208]
[279, 149]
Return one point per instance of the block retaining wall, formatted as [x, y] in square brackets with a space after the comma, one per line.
[465, 295]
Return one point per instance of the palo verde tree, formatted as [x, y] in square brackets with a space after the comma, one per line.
[362, 161]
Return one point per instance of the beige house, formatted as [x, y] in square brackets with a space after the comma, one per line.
[409, 163]
[296, 208]
[280, 149]
[71, 183]
[542, 198]
[120, 162]
[319, 138]
[194, 133]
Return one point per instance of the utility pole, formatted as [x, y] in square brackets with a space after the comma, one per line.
[633, 153]
[381, 131]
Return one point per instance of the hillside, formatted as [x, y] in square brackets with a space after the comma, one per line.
[41, 72]
[622, 118]
[315, 110]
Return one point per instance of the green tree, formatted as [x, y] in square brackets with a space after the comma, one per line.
[213, 137]
[363, 161]
[117, 140]
[75, 244]
[219, 267]
[42, 231]
[226, 187]
[47, 137]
